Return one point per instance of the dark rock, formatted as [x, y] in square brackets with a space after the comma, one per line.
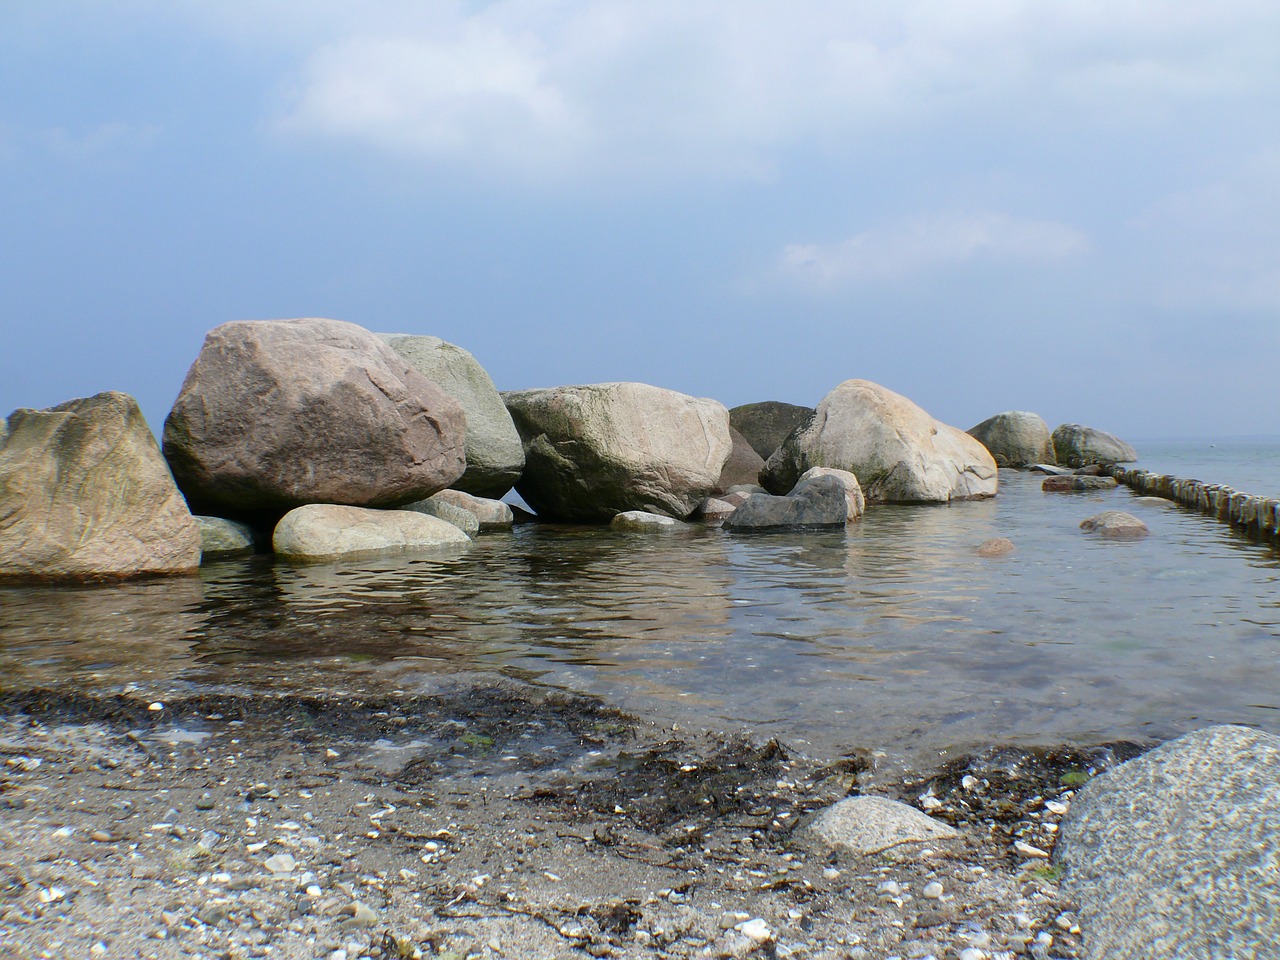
[765, 425]
[742, 467]
[1074, 483]
[1077, 445]
[1015, 438]
[818, 502]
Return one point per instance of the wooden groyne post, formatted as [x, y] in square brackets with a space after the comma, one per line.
[1256, 515]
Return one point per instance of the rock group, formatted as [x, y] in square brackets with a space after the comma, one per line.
[318, 439]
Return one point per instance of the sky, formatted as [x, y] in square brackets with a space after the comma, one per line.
[1070, 207]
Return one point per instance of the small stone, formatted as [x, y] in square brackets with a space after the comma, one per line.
[362, 915]
[972, 953]
[932, 891]
[1027, 850]
[101, 836]
[50, 894]
[889, 889]
[155, 707]
[205, 802]
[755, 929]
[281, 863]
[830, 873]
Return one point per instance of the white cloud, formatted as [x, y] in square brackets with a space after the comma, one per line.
[726, 85]
[913, 246]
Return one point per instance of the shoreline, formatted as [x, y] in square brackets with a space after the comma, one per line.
[492, 820]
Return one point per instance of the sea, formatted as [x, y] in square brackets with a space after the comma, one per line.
[893, 636]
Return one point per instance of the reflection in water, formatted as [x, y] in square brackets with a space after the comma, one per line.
[893, 635]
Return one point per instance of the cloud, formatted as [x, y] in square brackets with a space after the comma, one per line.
[1217, 246]
[918, 245]
[713, 86]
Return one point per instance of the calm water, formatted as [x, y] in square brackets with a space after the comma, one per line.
[893, 636]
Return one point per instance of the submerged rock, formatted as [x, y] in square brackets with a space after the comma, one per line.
[1016, 438]
[321, 531]
[854, 499]
[996, 547]
[601, 449]
[1174, 854]
[85, 494]
[277, 413]
[494, 453]
[766, 424]
[815, 502]
[1115, 525]
[1077, 445]
[638, 521]
[896, 450]
[1077, 483]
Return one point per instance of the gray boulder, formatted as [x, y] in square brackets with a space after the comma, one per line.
[495, 455]
[463, 519]
[278, 413]
[220, 538]
[598, 450]
[765, 425]
[715, 511]
[1016, 438]
[322, 531]
[816, 502]
[85, 494]
[490, 514]
[866, 826]
[1174, 854]
[854, 499]
[742, 467]
[638, 521]
[896, 450]
[1076, 445]
[1115, 525]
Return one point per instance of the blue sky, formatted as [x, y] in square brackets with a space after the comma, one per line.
[1071, 208]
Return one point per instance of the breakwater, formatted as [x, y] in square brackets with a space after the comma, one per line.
[1256, 515]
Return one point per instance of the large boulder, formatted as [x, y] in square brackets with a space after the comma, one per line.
[1015, 438]
[495, 455]
[743, 466]
[278, 413]
[820, 501]
[1076, 445]
[85, 494]
[766, 424]
[1174, 854]
[602, 449]
[897, 451]
[321, 531]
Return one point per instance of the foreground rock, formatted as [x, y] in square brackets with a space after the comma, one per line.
[765, 425]
[870, 825]
[816, 502]
[996, 547]
[896, 450]
[1077, 445]
[598, 450]
[85, 494]
[326, 531]
[742, 467]
[854, 499]
[1174, 854]
[1115, 525]
[494, 453]
[1015, 438]
[278, 413]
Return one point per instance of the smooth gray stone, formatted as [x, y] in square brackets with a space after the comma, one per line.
[463, 519]
[1176, 853]
[1076, 445]
[869, 825]
[492, 514]
[1016, 438]
[639, 521]
[816, 502]
[1115, 525]
[323, 531]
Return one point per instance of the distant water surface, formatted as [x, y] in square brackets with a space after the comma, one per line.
[894, 635]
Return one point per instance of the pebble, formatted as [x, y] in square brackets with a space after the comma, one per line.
[281, 863]
[1027, 850]
[155, 707]
[889, 889]
[756, 930]
[362, 915]
[830, 873]
[932, 891]
[972, 953]
[101, 836]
